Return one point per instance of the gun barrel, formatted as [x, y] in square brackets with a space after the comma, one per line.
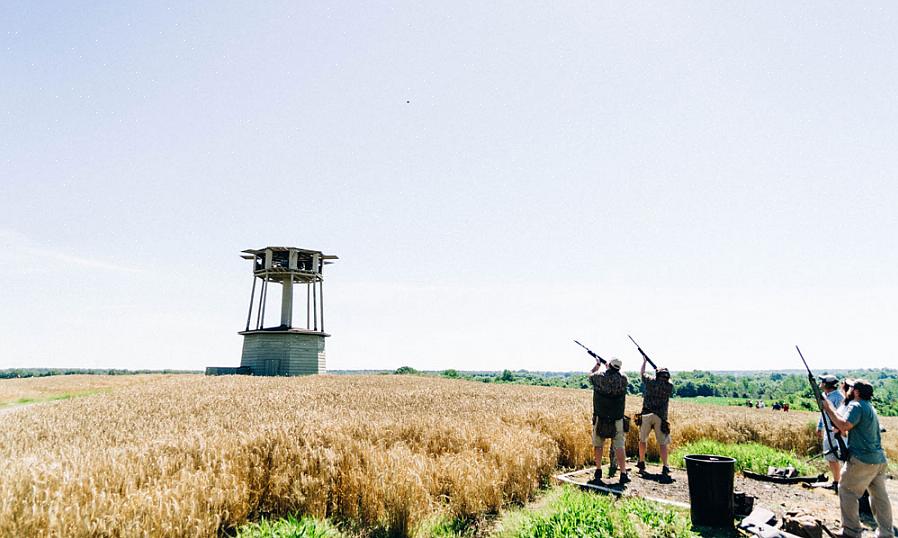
[839, 447]
[592, 353]
[641, 352]
[806, 367]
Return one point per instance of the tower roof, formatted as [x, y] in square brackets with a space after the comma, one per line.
[252, 252]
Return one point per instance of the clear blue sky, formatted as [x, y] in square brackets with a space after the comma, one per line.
[716, 178]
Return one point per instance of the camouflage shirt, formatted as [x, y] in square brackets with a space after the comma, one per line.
[609, 393]
[609, 381]
[656, 396]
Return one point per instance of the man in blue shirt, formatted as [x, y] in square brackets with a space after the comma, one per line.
[866, 470]
[829, 384]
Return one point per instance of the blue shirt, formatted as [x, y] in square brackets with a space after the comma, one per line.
[835, 397]
[864, 438]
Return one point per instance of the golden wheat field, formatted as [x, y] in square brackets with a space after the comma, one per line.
[195, 456]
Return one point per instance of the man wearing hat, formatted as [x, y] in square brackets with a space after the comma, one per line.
[867, 467]
[608, 399]
[656, 394]
[829, 385]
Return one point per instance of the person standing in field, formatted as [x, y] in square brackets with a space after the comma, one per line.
[609, 391]
[656, 395]
[829, 385]
[866, 469]
[848, 393]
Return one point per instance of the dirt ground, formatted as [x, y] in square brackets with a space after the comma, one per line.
[822, 504]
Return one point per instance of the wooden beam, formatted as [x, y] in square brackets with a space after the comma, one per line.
[263, 303]
[252, 296]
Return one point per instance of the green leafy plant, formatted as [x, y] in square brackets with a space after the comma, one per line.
[750, 456]
[577, 513]
[289, 527]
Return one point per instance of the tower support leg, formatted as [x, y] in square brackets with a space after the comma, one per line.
[287, 303]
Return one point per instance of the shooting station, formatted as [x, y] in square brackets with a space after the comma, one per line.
[283, 349]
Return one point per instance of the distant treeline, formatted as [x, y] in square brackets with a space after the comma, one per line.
[721, 387]
[10, 373]
[725, 388]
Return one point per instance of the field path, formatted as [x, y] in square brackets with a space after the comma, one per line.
[20, 391]
[823, 504]
[17, 407]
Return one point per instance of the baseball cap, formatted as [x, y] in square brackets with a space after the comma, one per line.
[864, 388]
[829, 379]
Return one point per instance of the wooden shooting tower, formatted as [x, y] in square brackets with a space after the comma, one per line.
[284, 349]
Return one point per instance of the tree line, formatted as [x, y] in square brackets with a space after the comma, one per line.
[728, 388]
[10, 373]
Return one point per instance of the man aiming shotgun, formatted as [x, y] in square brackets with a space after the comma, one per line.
[866, 467]
[834, 441]
[608, 398]
[656, 395]
[612, 468]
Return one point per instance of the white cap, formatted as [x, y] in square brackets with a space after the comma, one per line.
[615, 362]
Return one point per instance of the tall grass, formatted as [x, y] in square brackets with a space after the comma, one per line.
[192, 456]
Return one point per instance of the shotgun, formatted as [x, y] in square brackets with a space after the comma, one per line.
[644, 356]
[838, 448]
[592, 354]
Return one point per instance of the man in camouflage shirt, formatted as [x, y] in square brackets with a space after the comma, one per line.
[656, 395]
[608, 399]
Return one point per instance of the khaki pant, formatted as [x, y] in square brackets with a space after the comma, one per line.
[617, 440]
[651, 422]
[857, 477]
[828, 453]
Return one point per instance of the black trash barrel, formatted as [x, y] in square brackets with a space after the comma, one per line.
[711, 489]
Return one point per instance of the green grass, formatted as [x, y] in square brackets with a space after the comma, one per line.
[573, 513]
[562, 512]
[713, 400]
[750, 456]
[444, 526]
[289, 527]
[56, 397]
